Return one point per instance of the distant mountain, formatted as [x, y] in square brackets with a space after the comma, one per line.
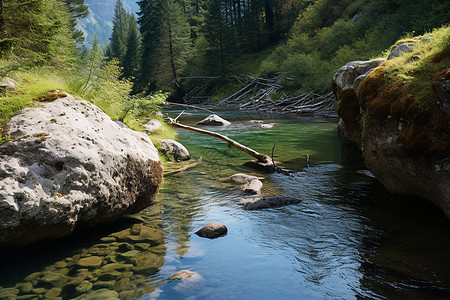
[99, 21]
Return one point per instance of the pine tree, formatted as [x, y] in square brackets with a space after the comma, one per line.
[131, 60]
[166, 45]
[119, 35]
[78, 10]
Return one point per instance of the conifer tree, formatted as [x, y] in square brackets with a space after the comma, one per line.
[119, 35]
[165, 30]
[78, 10]
[131, 60]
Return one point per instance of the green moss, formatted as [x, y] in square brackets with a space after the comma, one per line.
[402, 90]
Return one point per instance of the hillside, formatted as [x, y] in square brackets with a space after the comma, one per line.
[99, 22]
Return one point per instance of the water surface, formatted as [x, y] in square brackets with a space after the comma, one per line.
[348, 238]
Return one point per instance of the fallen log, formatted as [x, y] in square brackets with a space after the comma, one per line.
[263, 160]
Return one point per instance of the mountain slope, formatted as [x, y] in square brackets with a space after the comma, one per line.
[99, 22]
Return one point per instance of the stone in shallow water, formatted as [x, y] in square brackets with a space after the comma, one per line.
[53, 293]
[25, 287]
[268, 201]
[213, 120]
[84, 286]
[104, 284]
[212, 230]
[242, 178]
[51, 279]
[252, 187]
[101, 294]
[117, 266]
[90, 262]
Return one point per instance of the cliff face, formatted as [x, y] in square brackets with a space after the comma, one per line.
[405, 142]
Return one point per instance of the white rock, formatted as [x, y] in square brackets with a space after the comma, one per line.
[7, 83]
[252, 187]
[152, 125]
[213, 120]
[175, 148]
[242, 178]
[71, 167]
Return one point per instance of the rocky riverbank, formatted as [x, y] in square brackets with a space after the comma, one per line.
[405, 141]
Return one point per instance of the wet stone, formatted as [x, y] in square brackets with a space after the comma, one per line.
[108, 239]
[142, 246]
[136, 229]
[117, 266]
[127, 274]
[104, 284]
[38, 290]
[52, 279]
[122, 284]
[84, 287]
[9, 291]
[125, 247]
[90, 262]
[33, 276]
[212, 230]
[53, 293]
[25, 287]
[130, 254]
[110, 275]
[101, 295]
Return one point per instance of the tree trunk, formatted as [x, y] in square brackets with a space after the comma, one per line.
[172, 59]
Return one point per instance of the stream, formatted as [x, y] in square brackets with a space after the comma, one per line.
[348, 238]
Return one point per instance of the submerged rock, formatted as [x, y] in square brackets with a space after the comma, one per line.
[71, 167]
[213, 120]
[212, 230]
[174, 148]
[268, 202]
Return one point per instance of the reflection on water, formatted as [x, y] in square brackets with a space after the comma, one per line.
[348, 238]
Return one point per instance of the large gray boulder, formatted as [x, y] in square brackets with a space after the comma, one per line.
[213, 120]
[70, 167]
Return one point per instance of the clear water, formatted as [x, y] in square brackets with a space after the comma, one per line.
[348, 238]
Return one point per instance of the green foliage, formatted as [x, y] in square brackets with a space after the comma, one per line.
[39, 30]
[327, 34]
[416, 76]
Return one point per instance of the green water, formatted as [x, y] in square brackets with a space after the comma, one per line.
[348, 238]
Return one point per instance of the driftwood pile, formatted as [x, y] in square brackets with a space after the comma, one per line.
[256, 96]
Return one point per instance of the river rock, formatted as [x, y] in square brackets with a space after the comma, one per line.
[268, 126]
[52, 279]
[268, 202]
[242, 178]
[174, 148]
[100, 294]
[7, 83]
[90, 262]
[252, 187]
[71, 167]
[84, 287]
[212, 230]
[152, 125]
[213, 120]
